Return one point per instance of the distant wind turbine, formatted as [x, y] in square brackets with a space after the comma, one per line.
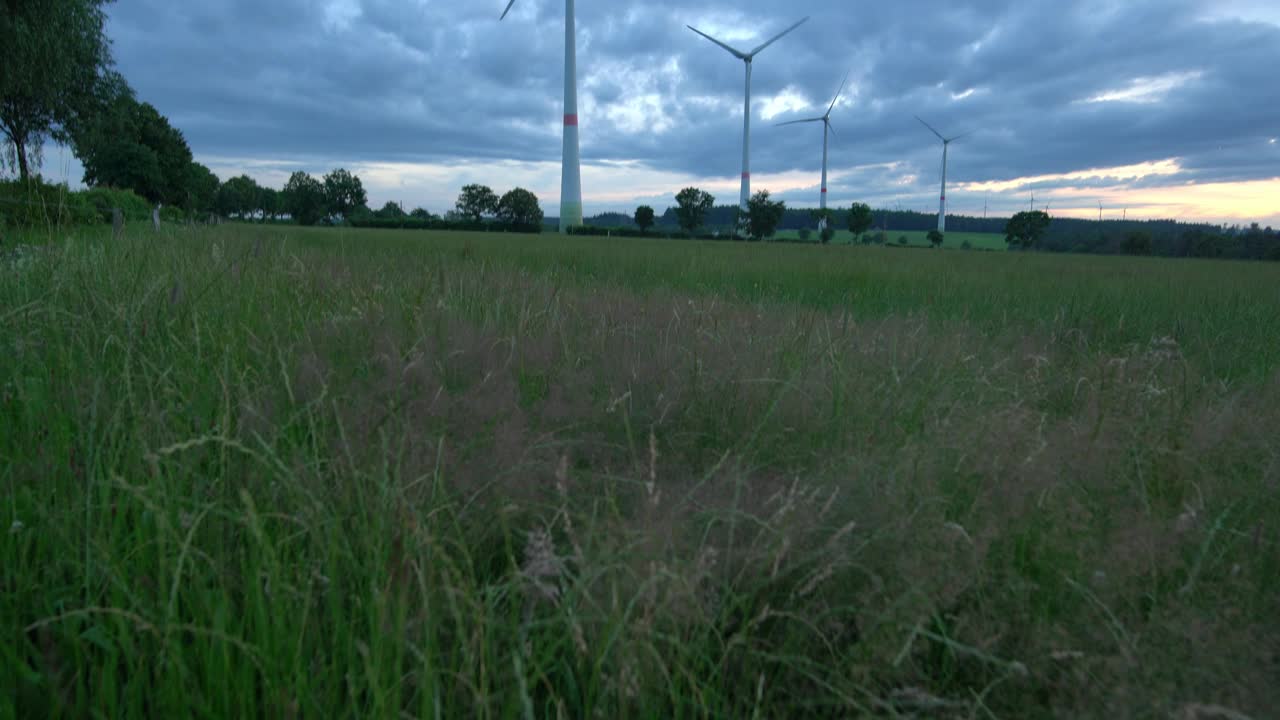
[570, 158]
[942, 202]
[746, 58]
[1099, 211]
[826, 127]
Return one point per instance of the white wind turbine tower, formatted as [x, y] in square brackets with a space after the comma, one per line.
[746, 58]
[571, 161]
[826, 127]
[942, 203]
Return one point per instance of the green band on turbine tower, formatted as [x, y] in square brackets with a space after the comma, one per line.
[570, 215]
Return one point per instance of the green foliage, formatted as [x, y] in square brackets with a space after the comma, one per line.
[270, 202]
[804, 234]
[1137, 242]
[390, 211]
[131, 145]
[902, 240]
[644, 218]
[343, 193]
[692, 206]
[133, 207]
[422, 214]
[304, 198]
[202, 189]
[860, 219]
[520, 207]
[55, 61]
[763, 215]
[239, 196]
[935, 238]
[1026, 228]
[475, 202]
[828, 233]
[36, 204]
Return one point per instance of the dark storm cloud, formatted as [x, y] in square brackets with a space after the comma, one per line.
[437, 81]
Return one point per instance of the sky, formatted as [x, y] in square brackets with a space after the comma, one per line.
[1151, 108]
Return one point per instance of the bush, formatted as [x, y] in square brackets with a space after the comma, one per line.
[134, 207]
[37, 204]
[827, 234]
[902, 239]
[966, 245]
[805, 233]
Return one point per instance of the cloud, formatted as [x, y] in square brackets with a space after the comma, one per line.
[425, 93]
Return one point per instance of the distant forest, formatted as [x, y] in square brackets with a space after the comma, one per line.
[1167, 238]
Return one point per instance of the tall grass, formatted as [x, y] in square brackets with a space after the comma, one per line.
[254, 471]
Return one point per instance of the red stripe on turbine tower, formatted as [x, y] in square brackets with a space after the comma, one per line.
[824, 189]
[571, 120]
[746, 175]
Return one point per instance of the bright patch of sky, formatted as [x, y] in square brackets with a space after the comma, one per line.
[340, 14]
[1147, 90]
[1115, 174]
[788, 100]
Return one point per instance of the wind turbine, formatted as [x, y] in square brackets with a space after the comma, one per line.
[942, 203]
[746, 58]
[570, 159]
[826, 127]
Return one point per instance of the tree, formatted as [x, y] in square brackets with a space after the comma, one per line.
[692, 206]
[202, 188]
[644, 218]
[860, 219]
[55, 61]
[390, 211]
[935, 238]
[343, 193]
[129, 144]
[476, 201]
[422, 214]
[1137, 242]
[823, 218]
[763, 215]
[238, 196]
[520, 207]
[1026, 228]
[304, 198]
[269, 202]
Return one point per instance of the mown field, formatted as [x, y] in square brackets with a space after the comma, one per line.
[916, 238]
[320, 473]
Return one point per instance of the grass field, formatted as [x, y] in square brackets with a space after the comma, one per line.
[915, 238]
[320, 473]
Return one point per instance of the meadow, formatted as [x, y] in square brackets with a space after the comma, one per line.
[284, 472]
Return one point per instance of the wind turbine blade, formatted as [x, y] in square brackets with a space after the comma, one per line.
[831, 127]
[777, 37]
[797, 122]
[736, 53]
[504, 12]
[965, 135]
[935, 132]
[839, 93]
